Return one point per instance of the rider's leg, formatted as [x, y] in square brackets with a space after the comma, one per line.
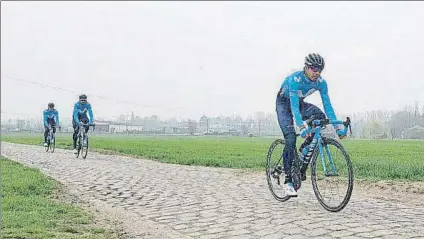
[289, 154]
[74, 136]
[46, 132]
[285, 120]
[307, 110]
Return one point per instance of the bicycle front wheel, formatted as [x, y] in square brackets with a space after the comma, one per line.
[332, 175]
[52, 144]
[78, 147]
[275, 170]
[84, 147]
[48, 145]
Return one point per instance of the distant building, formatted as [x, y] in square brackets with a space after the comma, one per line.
[416, 132]
[102, 126]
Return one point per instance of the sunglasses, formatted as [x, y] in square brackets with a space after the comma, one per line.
[83, 100]
[316, 69]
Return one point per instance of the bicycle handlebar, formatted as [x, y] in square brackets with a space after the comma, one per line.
[94, 125]
[311, 122]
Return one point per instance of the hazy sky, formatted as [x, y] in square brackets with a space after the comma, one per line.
[192, 58]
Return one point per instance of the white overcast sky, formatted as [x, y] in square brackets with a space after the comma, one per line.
[186, 59]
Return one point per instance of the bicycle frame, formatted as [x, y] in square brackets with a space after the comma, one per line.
[317, 126]
[51, 134]
[82, 134]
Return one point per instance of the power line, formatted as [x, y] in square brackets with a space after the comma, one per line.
[73, 91]
[16, 114]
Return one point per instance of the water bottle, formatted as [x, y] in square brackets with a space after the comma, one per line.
[307, 150]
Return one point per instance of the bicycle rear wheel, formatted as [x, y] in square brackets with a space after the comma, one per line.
[332, 175]
[275, 170]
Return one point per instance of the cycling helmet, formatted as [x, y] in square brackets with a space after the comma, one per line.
[82, 97]
[51, 105]
[314, 60]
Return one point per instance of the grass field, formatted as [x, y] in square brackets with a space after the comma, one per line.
[372, 159]
[30, 211]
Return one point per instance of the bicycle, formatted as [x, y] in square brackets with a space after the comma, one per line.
[82, 140]
[51, 138]
[318, 144]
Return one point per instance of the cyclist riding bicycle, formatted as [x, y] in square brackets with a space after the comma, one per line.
[79, 116]
[290, 104]
[50, 117]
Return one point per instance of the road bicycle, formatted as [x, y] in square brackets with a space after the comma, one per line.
[82, 140]
[51, 139]
[328, 169]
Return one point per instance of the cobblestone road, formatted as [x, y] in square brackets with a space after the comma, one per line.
[198, 202]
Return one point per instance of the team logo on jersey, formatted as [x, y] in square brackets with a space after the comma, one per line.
[297, 79]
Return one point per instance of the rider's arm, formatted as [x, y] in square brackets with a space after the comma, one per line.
[45, 118]
[294, 103]
[90, 112]
[76, 113]
[328, 108]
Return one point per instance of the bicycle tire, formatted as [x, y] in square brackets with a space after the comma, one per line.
[330, 141]
[53, 145]
[78, 147]
[84, 152]
[48, 145]
[269, 170]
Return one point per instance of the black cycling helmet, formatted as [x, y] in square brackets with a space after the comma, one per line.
[51, 105]
[314, 60]
[82, 97]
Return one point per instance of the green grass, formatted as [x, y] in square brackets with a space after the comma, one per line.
[372, 159]
[29, 209]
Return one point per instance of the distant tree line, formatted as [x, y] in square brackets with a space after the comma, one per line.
[407, 123]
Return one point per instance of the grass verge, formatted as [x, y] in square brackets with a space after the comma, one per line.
[30, 210]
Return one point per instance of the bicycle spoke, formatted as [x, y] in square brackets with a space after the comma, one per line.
[275, 170]
[332, 176]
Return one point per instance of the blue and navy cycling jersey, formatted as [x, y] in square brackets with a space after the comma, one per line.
[297, 86]
[80, 111]
[49, 115]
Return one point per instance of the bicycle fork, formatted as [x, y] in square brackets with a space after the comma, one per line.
[51, 137]
[330, 159]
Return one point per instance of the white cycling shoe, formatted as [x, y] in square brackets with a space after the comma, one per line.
[289, 188]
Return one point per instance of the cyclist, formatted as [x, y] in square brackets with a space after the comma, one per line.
[79, 116]
[290, 104]
[50, 117]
